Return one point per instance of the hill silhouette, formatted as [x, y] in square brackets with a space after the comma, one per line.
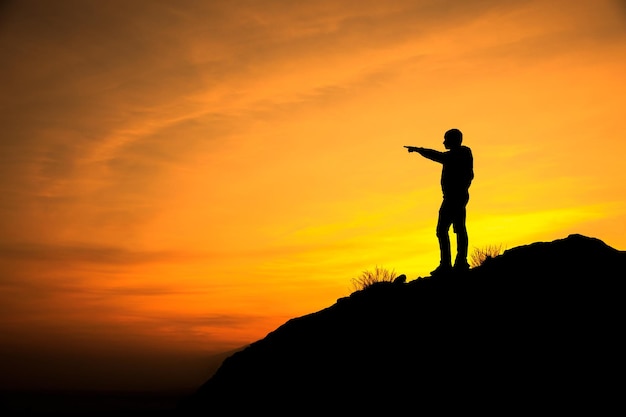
[536, 329]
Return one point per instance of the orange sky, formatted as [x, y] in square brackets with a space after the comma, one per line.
[183, 177]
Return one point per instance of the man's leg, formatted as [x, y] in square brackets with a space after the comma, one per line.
[462, 240]
[444, 247]
[443, 226]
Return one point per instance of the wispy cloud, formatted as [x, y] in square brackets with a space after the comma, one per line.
[90, 254]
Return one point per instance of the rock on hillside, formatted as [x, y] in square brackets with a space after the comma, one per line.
[536, 329]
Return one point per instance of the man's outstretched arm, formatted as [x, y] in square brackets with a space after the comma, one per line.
[427, 153]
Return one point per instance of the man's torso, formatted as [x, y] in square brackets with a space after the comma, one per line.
[457, 172]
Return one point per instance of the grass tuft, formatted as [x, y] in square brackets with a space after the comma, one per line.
[480, 255]
[369, 278]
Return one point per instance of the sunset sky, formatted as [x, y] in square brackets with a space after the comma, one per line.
[179, 178]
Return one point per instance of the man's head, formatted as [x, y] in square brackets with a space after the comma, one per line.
[452, 138]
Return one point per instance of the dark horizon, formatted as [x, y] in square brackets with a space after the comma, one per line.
[41, 370]
[37, 384]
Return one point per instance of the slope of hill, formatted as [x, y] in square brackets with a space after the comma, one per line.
[535, 329]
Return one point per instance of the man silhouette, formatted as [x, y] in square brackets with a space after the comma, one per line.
[456, 177]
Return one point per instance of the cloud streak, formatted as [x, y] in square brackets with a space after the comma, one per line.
[107, 255]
